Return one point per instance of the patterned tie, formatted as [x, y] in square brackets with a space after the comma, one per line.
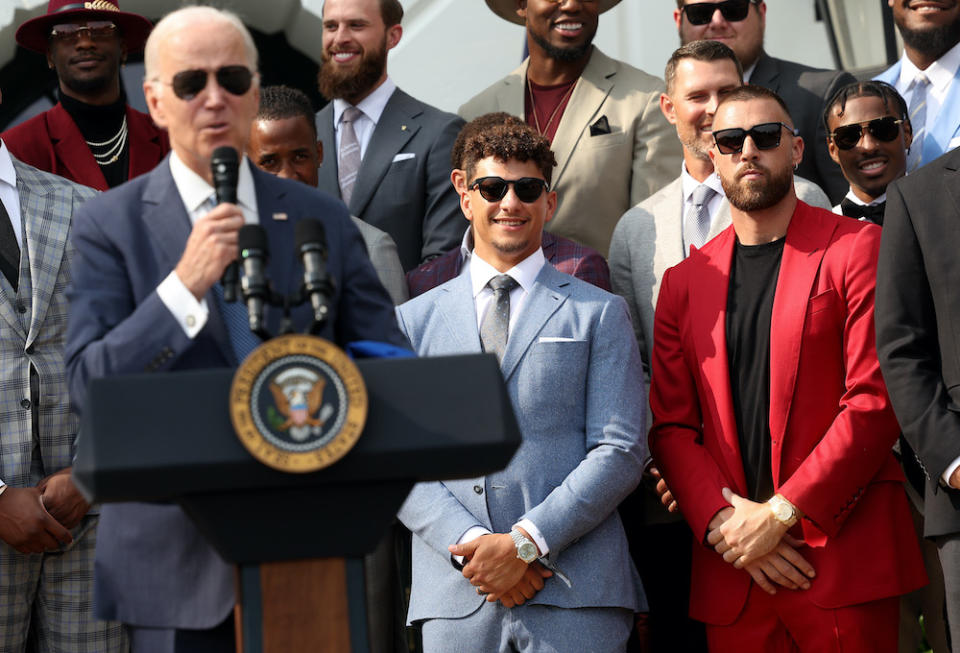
[496, 321]
[697, 222]
[918, 120]
[349, 163]
[9, 249]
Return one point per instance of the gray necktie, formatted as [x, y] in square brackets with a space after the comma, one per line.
[918, 120]
[349, 162]
[496, 321]
[697, 222]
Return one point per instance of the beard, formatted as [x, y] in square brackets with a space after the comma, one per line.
[83, 86]
[567, 55]
[933, 42]
[758, 195]
[353, 84]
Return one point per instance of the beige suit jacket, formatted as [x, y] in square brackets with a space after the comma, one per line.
[598, 178]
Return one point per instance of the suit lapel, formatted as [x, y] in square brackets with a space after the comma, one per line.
[708, 312]
[806, 242]
[668, 223]
[944, 130]
[766, 73]
[72, 150]
[456, 307]
[511, 94]
[588, 96]
[144, 150]
[550, 290]
[328, 179]
[950, 177]
[397, 125]
[281, 267]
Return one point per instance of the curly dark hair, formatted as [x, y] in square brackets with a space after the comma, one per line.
[282, 102]
[503, 137]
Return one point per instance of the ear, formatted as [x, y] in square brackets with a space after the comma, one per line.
[551, 205]
[154, 103]
[466, 205]
[668, 109]
[459, 180]
[319, 153]
[393, 36]
[677, 17]
[833, 150]
[49, 60]
[712, 153]
[797, 150]
[522, 9]
[907, 133]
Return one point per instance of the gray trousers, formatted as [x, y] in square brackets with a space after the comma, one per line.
[949, 548]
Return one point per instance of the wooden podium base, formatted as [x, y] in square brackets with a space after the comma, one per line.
[301, 605]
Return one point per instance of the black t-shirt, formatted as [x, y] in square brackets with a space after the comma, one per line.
[753, 281]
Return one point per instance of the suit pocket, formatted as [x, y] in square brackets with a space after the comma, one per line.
[612, 139]
[824, 301]
[553, 372]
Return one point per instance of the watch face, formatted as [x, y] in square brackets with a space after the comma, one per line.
[527, 552]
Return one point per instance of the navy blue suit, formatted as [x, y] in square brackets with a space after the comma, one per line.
[153, 567]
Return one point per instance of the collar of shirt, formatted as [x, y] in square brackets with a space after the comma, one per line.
[689, 184]
[372, 107]
[466, 246]
[748, 73]
[856, 200]
[195, 191]
[524, 273]
[8, 192]
[940, 73]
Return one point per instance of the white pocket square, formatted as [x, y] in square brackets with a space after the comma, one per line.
[954, 142]
[403, 156]
[556, 339]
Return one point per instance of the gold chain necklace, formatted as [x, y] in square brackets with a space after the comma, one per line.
[556, 109]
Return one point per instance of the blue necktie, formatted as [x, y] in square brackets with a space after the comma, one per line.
[242, 339]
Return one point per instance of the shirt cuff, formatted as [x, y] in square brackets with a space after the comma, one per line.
[535, 533]
[947, 474]
[3, 487]
[190, 314]
[472, 533]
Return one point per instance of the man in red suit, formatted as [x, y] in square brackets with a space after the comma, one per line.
[92, 136]
[772, 425]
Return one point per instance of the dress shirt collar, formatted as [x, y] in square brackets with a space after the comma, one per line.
[372, 106]
[524, 273]
[466, 245]
[748, 72]
[8, 175]
[689, 184]
[856, 200]
[940, 73]
[194, 189]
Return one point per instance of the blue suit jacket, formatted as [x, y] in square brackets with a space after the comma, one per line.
[573, 373]
[153, 567]
[947, 126]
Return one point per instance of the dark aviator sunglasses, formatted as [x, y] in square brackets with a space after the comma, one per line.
[883, 129]
[733, 11]
[494, 189]
[766, 136]
[187, 84]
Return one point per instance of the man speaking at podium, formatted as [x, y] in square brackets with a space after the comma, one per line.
[146, 296]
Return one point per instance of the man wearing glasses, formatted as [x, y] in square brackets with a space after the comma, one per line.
[532, 558]
[92, 136]
[740, 25]
[772, 425]
[146, 296]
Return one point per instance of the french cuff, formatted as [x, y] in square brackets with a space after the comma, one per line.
[535, 533]
[3, 487]
[945, 477]
[472, 533]
[190, 314]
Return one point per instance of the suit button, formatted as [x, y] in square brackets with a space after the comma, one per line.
[21, 307]
[478, 489]
[30, 349]
[26, 404]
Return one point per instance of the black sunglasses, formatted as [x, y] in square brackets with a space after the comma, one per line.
[884, 129]
[733, 11]
[766, 136]
[187, 84]
[97, 30]
[494, 189]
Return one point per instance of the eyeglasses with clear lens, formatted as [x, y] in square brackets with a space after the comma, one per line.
[187, 84]
[883, 129]
[733, 11]
[766, 136]
[97, 30]
[494, 189]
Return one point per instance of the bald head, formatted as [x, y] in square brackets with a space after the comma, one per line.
[177, 21]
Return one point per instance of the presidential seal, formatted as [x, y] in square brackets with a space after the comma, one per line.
[298, 403]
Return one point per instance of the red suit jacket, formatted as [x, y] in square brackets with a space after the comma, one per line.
[52, 141]
[831, 424]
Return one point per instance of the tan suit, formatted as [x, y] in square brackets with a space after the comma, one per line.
[598, 177]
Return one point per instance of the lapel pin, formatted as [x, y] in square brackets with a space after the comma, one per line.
[403, 128]
[279, 216]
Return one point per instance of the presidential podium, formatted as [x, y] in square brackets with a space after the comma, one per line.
[297, 539]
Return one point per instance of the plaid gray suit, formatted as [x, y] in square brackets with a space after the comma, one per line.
[47, 597]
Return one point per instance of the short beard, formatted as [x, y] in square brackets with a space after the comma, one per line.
[933, 42]
[352, 85]
[565, 55]
[749, 197]
[85, 86]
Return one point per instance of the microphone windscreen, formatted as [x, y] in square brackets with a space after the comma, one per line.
[225, 165]
[310, 230]
[252, 236]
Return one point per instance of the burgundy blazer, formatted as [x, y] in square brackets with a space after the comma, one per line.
[52, 141]
[568, 256]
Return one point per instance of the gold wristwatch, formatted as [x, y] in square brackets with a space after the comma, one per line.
[783, 510]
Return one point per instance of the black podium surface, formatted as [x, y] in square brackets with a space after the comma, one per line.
[168, 437]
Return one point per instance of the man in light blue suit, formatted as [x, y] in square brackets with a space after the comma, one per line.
[144, 298]
[532, 558]
[926, 76]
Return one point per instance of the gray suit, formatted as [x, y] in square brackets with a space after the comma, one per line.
[580, 406]
[383, 254]
[410, 198]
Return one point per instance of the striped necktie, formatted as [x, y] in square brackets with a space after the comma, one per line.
[918, 120]
[349, 161]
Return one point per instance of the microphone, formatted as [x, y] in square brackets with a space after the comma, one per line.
[225, 165]
[311, 244]
[254, 253]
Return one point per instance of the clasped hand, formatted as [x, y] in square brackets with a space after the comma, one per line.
[37, 519]
[492, 566]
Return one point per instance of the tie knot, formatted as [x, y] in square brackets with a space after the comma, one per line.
[702, 194]
[351, 114]
[921, 79]
[503, 282]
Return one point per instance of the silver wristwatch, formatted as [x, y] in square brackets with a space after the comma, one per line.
[526, 549]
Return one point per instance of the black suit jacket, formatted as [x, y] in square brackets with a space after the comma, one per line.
[806, 90]
[918, 324]
[403, 186]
